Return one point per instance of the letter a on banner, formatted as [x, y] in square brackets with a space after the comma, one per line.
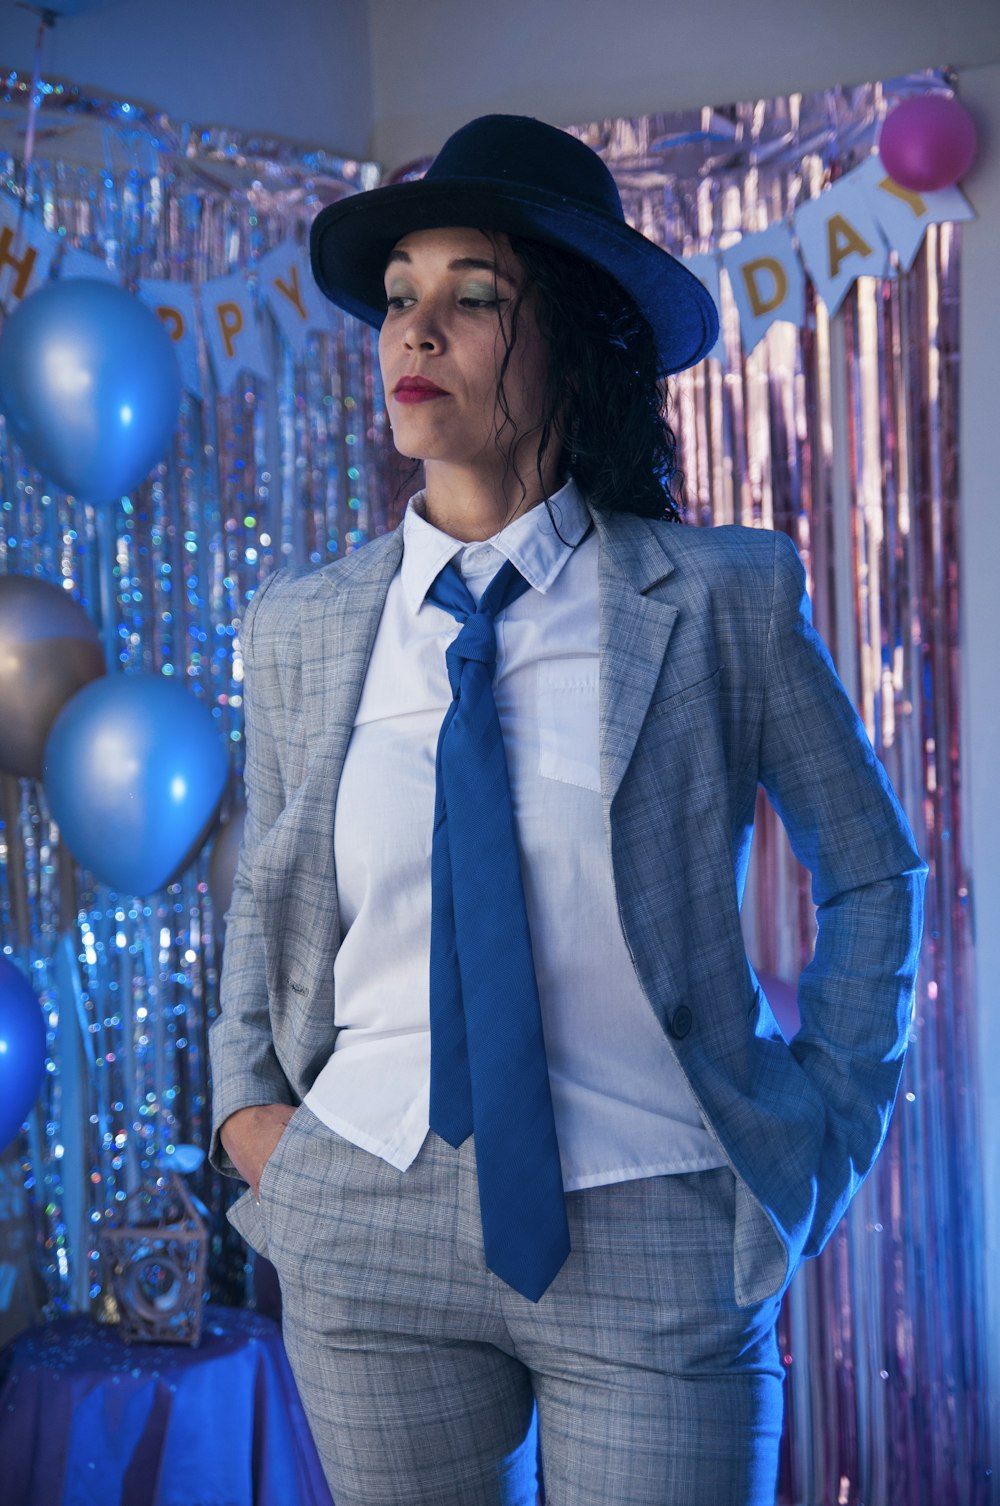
[26, 252]
[291, 294]
[767, 280]
[231, 330]
[840, 240]
[174, 303]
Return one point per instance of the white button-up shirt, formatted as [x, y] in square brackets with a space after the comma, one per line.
[622, 1106]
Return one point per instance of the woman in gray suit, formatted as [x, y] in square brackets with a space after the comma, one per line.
[520, 1132]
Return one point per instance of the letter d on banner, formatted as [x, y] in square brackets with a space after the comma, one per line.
[767, 281]
[765, 267]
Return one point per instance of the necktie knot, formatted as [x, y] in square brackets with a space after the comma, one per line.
[476, 642]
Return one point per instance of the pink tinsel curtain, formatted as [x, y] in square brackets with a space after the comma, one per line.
[844, 434]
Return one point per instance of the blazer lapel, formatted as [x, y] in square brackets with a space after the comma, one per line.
[633, 635]
[338, 622]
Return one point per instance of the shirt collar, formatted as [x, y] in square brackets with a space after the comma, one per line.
[530, 542]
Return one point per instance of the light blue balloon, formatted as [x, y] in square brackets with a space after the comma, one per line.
[134, 769]
[90, 386]
[22, 1049]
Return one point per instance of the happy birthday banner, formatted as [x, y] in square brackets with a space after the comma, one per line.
[223, 314]
[863, 225]
[851, 230]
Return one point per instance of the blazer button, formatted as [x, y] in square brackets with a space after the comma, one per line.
[680, 1022]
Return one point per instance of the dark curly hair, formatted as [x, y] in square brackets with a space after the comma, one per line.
[604, 398]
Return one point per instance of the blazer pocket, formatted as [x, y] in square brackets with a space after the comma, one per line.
[707, 685]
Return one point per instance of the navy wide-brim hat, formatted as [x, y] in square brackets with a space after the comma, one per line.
[514, 174]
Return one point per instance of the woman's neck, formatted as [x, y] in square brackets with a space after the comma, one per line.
[470, 504]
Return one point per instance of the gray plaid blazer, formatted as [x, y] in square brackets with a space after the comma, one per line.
[712, 681]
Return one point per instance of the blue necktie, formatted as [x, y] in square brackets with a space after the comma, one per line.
[489, 1075]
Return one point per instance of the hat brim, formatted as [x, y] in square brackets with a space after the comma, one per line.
[350, 243]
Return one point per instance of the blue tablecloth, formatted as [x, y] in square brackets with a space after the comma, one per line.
[87, 1420]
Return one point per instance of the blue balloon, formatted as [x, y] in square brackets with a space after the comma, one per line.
[22, 1049]
[90, 386]
[134, 769]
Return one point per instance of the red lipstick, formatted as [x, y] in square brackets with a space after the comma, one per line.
[416, 389]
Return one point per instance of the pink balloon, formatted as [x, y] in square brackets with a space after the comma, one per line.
[928, 141]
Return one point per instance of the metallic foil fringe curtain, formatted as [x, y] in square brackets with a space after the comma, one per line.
[275, 472]
[843, 433]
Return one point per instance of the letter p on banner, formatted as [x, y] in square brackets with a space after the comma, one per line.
[231, 330]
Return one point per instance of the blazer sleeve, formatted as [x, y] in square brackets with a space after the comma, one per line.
[847, 827]
[245, 1069]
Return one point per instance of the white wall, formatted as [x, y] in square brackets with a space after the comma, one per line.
[437, 63]
[299, 69]
[980, 575]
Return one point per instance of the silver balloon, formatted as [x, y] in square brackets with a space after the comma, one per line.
[49, 649]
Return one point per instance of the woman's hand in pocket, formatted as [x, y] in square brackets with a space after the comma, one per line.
[250, 1136]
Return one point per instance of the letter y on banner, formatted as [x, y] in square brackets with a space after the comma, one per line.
[287, 286]
[904, 214]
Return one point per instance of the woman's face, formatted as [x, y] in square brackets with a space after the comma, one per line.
[450, 294]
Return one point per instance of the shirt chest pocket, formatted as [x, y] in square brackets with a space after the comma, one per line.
[568, 722]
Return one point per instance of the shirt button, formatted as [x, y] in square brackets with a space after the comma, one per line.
[680, 1022]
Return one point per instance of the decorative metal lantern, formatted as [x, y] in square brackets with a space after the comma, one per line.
[156, 1265]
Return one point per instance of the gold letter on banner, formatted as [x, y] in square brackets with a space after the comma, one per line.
[758, 302]
[174, 321]
[908, 196]
[842, 240]
[22, 265]
[293, 293]
[230, 317]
